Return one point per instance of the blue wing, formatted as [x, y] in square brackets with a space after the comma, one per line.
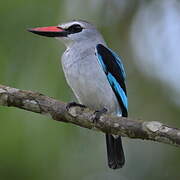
[114, 70]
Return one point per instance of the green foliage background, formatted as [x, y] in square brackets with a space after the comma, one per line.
[34, 147]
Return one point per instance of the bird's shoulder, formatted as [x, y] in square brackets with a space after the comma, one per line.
[110, 61]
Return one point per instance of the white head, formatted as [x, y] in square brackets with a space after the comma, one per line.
[77, 31]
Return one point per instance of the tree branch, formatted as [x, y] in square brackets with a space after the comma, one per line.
[84, 117]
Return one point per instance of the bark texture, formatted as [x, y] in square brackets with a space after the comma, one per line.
[84, 117]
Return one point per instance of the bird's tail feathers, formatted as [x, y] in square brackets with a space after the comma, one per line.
[115, 152]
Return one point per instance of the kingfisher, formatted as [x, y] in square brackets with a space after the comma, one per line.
[94, 73]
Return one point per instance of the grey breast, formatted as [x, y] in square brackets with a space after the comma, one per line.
[87, 79]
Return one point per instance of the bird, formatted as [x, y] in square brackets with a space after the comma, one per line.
[95, 74]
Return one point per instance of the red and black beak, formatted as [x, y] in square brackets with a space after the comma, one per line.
[51, 31]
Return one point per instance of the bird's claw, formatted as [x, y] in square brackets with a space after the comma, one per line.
[99, 113]
[73, 104]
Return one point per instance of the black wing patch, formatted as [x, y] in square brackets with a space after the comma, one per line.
[115, 73]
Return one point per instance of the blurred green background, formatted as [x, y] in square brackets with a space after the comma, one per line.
[33, 147]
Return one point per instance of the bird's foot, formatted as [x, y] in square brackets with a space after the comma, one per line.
[99, 113]
[73, 104]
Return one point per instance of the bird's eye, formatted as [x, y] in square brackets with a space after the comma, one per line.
[75, 28]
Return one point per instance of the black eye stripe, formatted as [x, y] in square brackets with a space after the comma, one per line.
[75, 28]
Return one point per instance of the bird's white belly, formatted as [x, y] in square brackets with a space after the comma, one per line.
[90, 85]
